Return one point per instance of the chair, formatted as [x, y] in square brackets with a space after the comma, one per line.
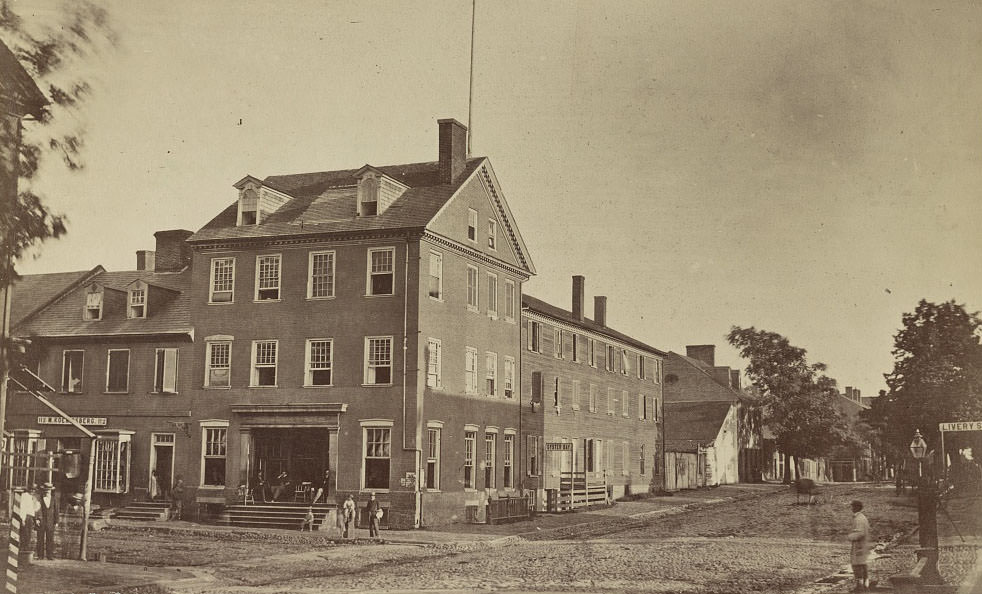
[302, 492]
[246, 494]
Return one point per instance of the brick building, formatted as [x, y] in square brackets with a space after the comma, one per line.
[593, 388]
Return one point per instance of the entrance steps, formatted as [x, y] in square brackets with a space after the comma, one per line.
[278, 515]
[151, 511]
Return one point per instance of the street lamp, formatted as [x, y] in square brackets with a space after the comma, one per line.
[927, 514]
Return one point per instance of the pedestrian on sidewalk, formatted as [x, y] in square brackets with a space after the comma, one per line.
[28, 508]
[348, 510]
[859, 554]
[374, 516]
[47, 516]
[177, 499]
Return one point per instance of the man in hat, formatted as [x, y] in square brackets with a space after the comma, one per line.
[348, 511]
[28, 507]
[372, 509]
[859, 553]
[47, 519]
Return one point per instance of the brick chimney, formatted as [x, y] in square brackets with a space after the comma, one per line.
[453, 150]
[735, 379]
[849, 393]
[722, 376]
[173, 253]
[600, 310]
[702, 352]
[579, 287]
[144, 259]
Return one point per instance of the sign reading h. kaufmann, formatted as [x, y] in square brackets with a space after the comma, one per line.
[961, 426]
[96, 421]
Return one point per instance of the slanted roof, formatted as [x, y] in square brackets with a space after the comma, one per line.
[699, 383]
[541, 307]
[63, 318]
[17, 89]
[34, 292]
[325, 202]
[692, 424]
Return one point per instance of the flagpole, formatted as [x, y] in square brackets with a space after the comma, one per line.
[470, 94]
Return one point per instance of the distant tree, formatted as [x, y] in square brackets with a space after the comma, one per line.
[936, 377]
[797, 401]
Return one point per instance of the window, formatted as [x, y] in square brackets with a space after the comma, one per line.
[509, 382]
[472, 301]
[436, 275]
[111, 473]
[592, 354]
[320, 282]
[557, 341]
[590, 447]
[214, 450]
[509, 300]
[625, 362]
[93, 304]
[71, 371]
[556, 397]
[537, 387]
[137, 298]
[625, 403]
[470, 371]
[434, 363]
[118, 371]
[492, 234]
[492, 295]
[532, 453]
[609, 361]
[320, 362]
[381, 271]
[490, 445]
[222, 280]
[533, 336]
[610, 401]
[263, 363]
[165, 371]
[575, 343]
[576, 395]
[641, 459]
[470, 439]
[378, 360]
[491, 374]
[593, 398]
[508, 462]
[219, 364]
[626, 458]
[641, 370]
[248, 207]
[378, 452]
[472, 224]
[658, 371]
[642, 407]
[655, 406]
[433, 458]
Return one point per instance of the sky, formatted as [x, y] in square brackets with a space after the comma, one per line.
[808, 168]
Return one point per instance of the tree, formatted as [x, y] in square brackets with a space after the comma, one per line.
[796, 399]
[936, 377]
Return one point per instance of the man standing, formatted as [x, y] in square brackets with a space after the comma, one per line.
[859, 555]
[374, 514]
[47, 517]
[28, 507]
[348, 511]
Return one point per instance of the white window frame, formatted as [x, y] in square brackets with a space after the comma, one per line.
[136, 302]
[473, 288]
[510, 300]
[109, 359]
[435, 266]
[472, 225]
[557, 343]
[256, 366]
[470, 457]
[209, 349]
[609, 361]
[641, 367]
[625, 403]
[368, 364]
[492, 235]
[433, 454]
[111, 467]
[642, 407]
[370, 274]
[575, 395]
[376, 425]
[470, 370]
[657, 371]
[625, 362]
[592, 352]
[69, 389]
[557, 396]
[308, 376]
[533, 458]
[490, 458]
[212, 281]
[434, 363]
[534, 336]
[508, 384]
[207, 452]
[330, 276]
[157, 372]
[93, 305]
[491, 374]
[508, 460]
[492, 283]
[574, 343]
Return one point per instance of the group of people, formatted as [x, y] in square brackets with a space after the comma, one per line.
[263, 492]
[39, 510]
[348, 515]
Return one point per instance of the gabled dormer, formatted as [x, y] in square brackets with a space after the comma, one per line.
[376, 191]
[136, 299]
[94, 298]
[256, 201]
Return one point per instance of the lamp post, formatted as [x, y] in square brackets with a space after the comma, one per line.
[927, 518]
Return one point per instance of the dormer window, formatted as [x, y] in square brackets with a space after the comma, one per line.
[376, 191]
[137, 300]
[249, 207]
[93, 303]
[492, 234]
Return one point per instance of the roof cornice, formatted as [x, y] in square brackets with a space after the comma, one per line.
[470, 252]
[288, 240]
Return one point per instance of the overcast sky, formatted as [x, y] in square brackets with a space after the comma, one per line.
[810, 168]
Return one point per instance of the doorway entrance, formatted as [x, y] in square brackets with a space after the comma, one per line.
[301, 452]
[161, 463]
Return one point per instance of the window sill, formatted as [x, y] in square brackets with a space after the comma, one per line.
[389, 385]
[221, 303]
[473, 308]
[318, 385]
[107, 392]
[325, 298]
[163, 393]
[273, 386]
[72, 393]
[493, 315]
[217, 387]
[379, 295]
[437, 299]
[371, 490]
[277, 300]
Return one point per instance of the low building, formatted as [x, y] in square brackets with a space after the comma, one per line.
[701, 444]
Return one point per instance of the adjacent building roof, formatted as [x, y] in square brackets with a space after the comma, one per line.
[562, 315]
[325, 202]
[17, 88]
[63, 317]
[695, 381]
[34, 292]
[692, 424]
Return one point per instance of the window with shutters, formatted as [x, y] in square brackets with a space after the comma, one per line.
[533, 336]
[433, 458]
[641, 460]
[320, 279]
[221, 289]
[610, 401]
[165, 371]
[556, 398]
[71, 371]
[492, 295]
[609, 360]
[472, 288]
[625, 362]
[264, 358]
[320, 362]
[470, 370]
[642, 407]
[625, 403]
[472, 225]
[509, 380]
[510, 300]
[593, 398]
[378, 360]
[507, 462]
[218, 360]
[537, 387]
[490, 453]
[557, 343]
[532, 455]
[436, 276]
[118, 371]
[592, 352]
[491, 374]
[575, 395]
[470, 441]
[434, 363]
[575, 343]
[93, 303]
[381, 271]
[641, 367]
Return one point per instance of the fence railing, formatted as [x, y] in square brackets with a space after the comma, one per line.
[577, 489]
[509, 509]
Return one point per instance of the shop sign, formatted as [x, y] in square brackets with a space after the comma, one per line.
[93, 421]
[559, 447]
[961, 426]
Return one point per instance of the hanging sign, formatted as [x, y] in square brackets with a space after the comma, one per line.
[95, 421]
[559, 447]
[961, 426]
